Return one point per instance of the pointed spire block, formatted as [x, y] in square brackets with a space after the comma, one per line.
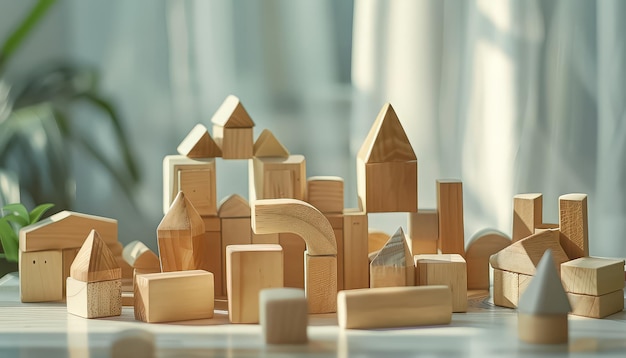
[268, 146]
[387, 141]
[95, 261]
[199, 144]
[393, 266]
[234, 206]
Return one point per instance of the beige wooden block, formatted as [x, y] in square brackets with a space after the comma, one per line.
[449, 270]
[212, 223]
[283, 315]
[355, 249]
[481, 247]
[450, 213]
[173, 164]
[340, 258]
[266, 238]
[293, 254]
[199, 144]
[320, 283]
[326, 193]
[94, 299]
[68, 257]
[423, 232]
[267, 145]
[41, 275]
[236, 143]
[275, 178]
[392, 307]
[592, 275]
[573, 225]
[174, 296]
[508, 287]
[235, 231]
[376, 239]
[393, 266]
[234, 206]
[527, 214]
[542, 329]
[199, 187]
[596, 306]
[133, 343]
[209, 258]
[94, 261]
[139, 256]
[250, 268]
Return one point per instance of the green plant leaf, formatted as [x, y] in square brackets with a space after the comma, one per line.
[17, 220]
[37, 212]
[17, 210]
[9, 241]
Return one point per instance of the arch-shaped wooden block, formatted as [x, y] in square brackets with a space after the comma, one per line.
[482, 245]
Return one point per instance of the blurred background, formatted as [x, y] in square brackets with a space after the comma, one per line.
[509, 96]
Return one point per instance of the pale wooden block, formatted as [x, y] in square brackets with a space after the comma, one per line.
[355, 248]
[391, 307]
[267, 145]
[388, 187]
[508, 287]
[450, 212]
[326, 193]
[94, 299]
[209, 258]
[236, 143]
[235, 231]
[527, 214]
[592, 275]
[139, 256]
[94, 261]
[573, 225]
[68, 257]
[283, 315]
[423, 231]
[133, 343]
[199, 144]
[199, 186]
[376, 240]
[449, 270]
[234, 206]
[174, 296]
[596, 306]
[479, 250]
[41, 276]
[542, 329]
[340, 258]
[393, 266]
[320, 283]
[293, 254]
[275, 178]
[250, 268]
[173, 164]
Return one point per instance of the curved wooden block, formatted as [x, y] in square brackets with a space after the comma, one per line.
[482, 245]
[275, 216]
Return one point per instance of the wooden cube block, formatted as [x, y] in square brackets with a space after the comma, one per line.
[174, 296]
[450, 211]
[41, 276]
[527, 214]
[596, 306]
[423, 233]
[508, 287]
[236, 143]
[250, 268]
[388, 187]
[573, 225]
[355, 248]
[325, 193]
[449, 270]
[283, 314]
[94, 299]
[275, 178]
[199, 184]
[592, 275]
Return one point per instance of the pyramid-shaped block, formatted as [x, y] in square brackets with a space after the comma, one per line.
[393, 266]
[268, 146]
[95, 261]
[199, 144]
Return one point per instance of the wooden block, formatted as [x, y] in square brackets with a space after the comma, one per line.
[199, 187]
[527, 214]
[355, 245]
[235, 231]
[450, 212]
[232, 114]
[340, 258]
[293, 254]
[423, 232]
[68, 257]
[66, 230]
[94, 261]
[268, 146]
[212, 223]
[592, 275]
[545, 294]
[392, 307]
[174, 296]
[393, 266]
[234, 206]
[209, 259]
[449, 270]
[376, 240]
[236, 143]
[275, 178]
[545, 227]
[524, 255]
[283, 315]
[267, 239]
[199, 144]
[573, 225]
[94, 299]
[320, 283]
[204, 179]
[481, 247]
[133, 343]
[41, 275]
[326, 193]
[596, 306]
[139, 256]
[128, 298]
[508, 287]
[249, 269]
[542, 329]
[176, 233]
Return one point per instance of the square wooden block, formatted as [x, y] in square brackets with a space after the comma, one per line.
[276, 178]
[449, 270]
[592, 275]
[236, 143]
[41, 276]
[389, 187]
[94, 299]
[508, 287]
[326, 194]
[199, 184]
[283, 315]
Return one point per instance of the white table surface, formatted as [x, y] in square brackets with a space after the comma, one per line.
[47, 330]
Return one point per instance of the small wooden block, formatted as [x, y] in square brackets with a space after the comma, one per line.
[542, 329]
[266, 239]
[388, 187]
[95, 262]
[527, 214]
[267, 145]
[376, 240]
[423, 232]
[596, 306]
[545, 227]
[326, 193]
[592, 275]
[391, 307]
[355, 243]
[199, 144]
[320, 283]
[199, 187]
[212, 223]
[68, 258]
[139, 256]
[174, 296]
[41, 276]
[573, 225]
[450, 212]
[250, 268]
[235, 231]
[283, 315]
[449, 270]
[94, 299]
[133, 343]
[232, 114]
[393, 266]
[174, 164]
[508, 287]
[293, 254]
[480, 249]
[234, 206]
[276, 178]
[236, 143]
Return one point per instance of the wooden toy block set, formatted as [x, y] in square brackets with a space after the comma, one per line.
[294, 249]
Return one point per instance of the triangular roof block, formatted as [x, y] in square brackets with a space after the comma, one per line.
[234, 206]
[395, 252]
[268, 146]
[95, 262]
[386, 141]
[139, 256]
[199, 144]
[545, 294]
[181, 216]
[231, 114]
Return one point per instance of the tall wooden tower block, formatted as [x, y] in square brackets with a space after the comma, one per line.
[199, 144]
[193, 176]
[178, 235]
[393, 266]
[387, 167]
[232, 129]
[527, 215]
[573, 225]
[450, 212]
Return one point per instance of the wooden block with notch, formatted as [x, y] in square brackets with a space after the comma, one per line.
[194, 176]
[391, 307]
[480, 248]
[450, 213]
[199, 144]
[573, 224]
[276, 177]
[449, 270]
[592, 276]
[527, 214]
[423, 233]
[326, 193]
[393, 266]
[283, 315]
[232, 129]
[355, 248]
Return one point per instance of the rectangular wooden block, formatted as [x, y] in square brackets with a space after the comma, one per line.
[249, 269]
[450, 212]
[41, 276]
[94, 299]
[423, 232]
[355, 260]
[236, 143]
[592, 275]
[389, 276]
[293, 253]
[391, 307]
[283, 315]
[596, 306]
[173, 165]
[235, 231]
[174, 296]
[199, 186]
[212, 223]
[209, 258]
[508, 287]
[276, 178]
[573, 225]
[326, 194]
[449, 270]
[320, 283]
[527, 214]
[388, 187]
[68, 257]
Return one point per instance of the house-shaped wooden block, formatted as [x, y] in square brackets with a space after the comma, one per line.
[232, 129]
[387, 167]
